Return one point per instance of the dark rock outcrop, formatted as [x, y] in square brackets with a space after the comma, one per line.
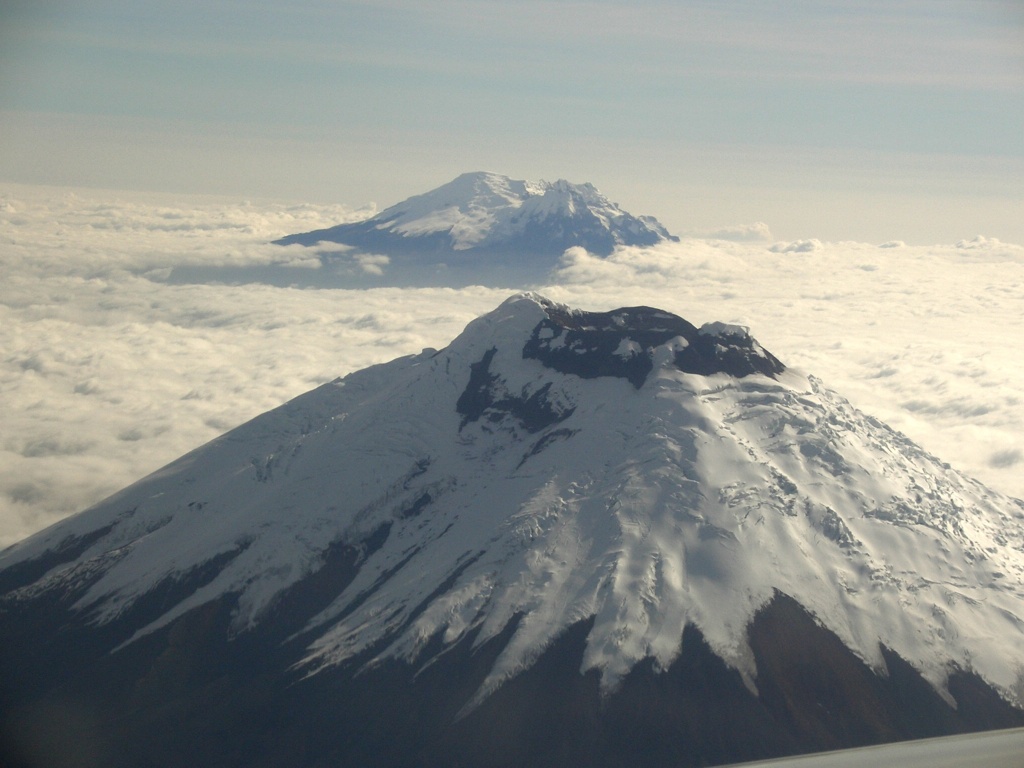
[191, 694]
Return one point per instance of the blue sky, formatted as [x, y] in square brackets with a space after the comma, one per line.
[831, 119]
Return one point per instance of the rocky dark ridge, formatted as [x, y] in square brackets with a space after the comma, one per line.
[621, 343]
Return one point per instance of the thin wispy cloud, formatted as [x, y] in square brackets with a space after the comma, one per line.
[908, 43]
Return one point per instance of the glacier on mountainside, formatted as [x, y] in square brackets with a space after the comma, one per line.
[552, 465]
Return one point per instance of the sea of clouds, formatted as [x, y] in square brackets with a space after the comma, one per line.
[109, 370]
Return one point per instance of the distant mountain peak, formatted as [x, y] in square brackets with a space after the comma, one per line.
[483, 220]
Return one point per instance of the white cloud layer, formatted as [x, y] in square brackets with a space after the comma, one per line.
[107, 373]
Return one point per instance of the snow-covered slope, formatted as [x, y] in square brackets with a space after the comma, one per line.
[553, 466]
[482, 220]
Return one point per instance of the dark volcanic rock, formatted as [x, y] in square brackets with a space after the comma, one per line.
[485, 395]
[620, 344]
[192, 695]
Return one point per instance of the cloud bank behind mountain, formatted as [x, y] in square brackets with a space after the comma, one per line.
[107, 371]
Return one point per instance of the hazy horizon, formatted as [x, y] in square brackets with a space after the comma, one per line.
[863, 121]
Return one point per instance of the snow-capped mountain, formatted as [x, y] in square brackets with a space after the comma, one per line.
[602, 538]
[482, 223]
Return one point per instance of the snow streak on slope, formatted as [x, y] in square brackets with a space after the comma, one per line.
[551, 466]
